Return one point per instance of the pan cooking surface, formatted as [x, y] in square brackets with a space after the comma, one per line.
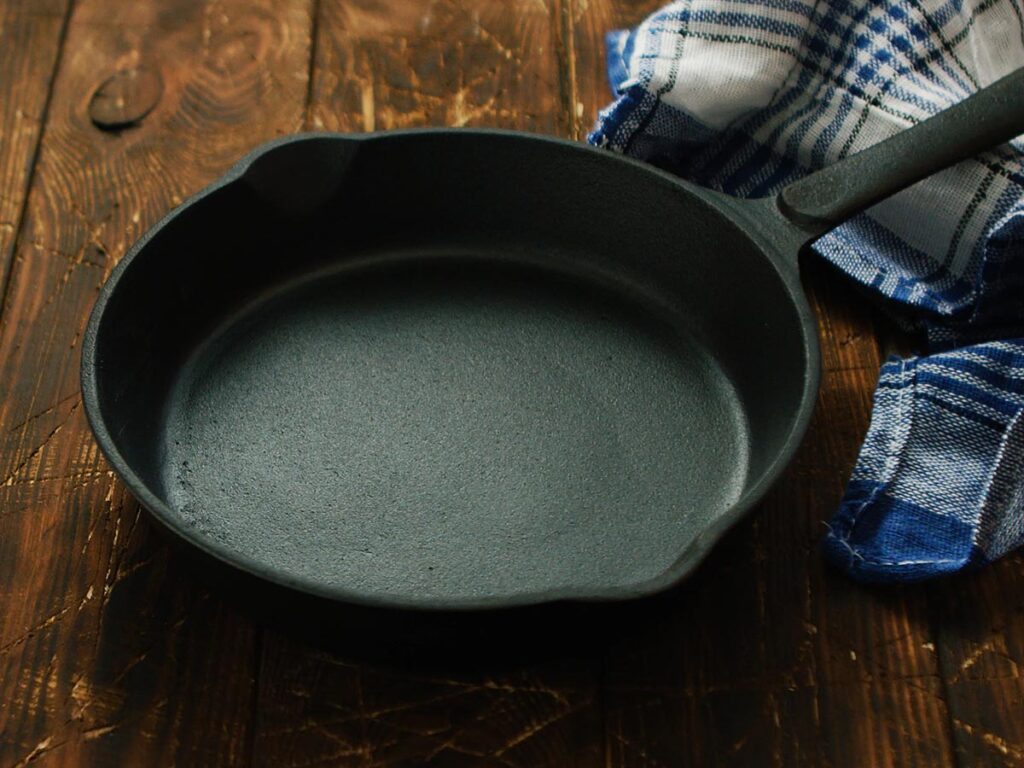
[460, 429]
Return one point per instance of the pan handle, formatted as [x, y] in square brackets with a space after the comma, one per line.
[824, 199]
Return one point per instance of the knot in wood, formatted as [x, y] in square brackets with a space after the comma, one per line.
[125, 98]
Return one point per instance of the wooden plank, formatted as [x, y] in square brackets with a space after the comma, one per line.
[766, 656]
[456, 62]
[980, 639]
[30, 36]
[881, 689]
[110, 653]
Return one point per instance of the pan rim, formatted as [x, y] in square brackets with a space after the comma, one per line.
[688, 559]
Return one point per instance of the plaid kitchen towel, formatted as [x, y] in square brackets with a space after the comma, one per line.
[746, 95]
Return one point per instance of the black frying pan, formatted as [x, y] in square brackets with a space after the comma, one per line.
[459, 369]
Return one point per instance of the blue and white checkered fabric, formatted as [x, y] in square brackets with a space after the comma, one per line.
[746, 95]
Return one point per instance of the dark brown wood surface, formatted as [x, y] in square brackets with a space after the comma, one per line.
[113, 653]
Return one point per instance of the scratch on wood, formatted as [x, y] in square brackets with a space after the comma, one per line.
[131, 531]
[99, 518]
[738, 745]
[81, 479]
[535, 728]
[87, 598]
[466, 685]
[988, 647]
[998, 743]
[333, 757]
[564, 26]
[99, 731]
[130, 665]
[113, 563]
[973, 658]
[381, 712]
[450, 746]
[82, 698]
[366, 88]
[500, 47]
[44, 746]
[123, 573]
[9, 480]
[884, 642]
[47, 622]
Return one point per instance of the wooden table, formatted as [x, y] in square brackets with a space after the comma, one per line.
[111, 653]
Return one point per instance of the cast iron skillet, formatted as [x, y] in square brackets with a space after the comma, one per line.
[453, 369]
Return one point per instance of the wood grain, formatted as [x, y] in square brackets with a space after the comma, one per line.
[109, 653]
[31, 37]
[980, 639]
[436, 62]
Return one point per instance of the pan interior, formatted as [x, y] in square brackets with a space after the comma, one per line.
[459, 428]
